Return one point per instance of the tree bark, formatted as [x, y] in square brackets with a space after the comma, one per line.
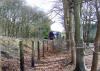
[73, 51]
[66, 21]
[97, 41]
[80, 60]
[67, 5]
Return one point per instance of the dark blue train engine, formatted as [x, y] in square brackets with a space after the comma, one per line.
[54, 35]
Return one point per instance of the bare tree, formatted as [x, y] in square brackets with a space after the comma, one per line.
[97, 38]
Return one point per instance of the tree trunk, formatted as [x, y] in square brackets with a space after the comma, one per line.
[97, 41]
[66, 21]
[73, 51]
[88, 28]
[67, 5]
[80, 60]
[80, 66]
[88, 33]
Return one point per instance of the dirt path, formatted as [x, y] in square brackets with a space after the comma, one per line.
[51, 62]
[55, 62]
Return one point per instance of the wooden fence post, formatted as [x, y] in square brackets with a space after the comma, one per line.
[38, 50]
[43, 49]
[47, 45]
[52, 45]
[0, 59]
[21, 56]
[32, 54]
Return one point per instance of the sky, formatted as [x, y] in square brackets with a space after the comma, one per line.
[46, 6]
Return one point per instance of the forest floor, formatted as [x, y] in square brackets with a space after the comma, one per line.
[53, 60]
[89, 62]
